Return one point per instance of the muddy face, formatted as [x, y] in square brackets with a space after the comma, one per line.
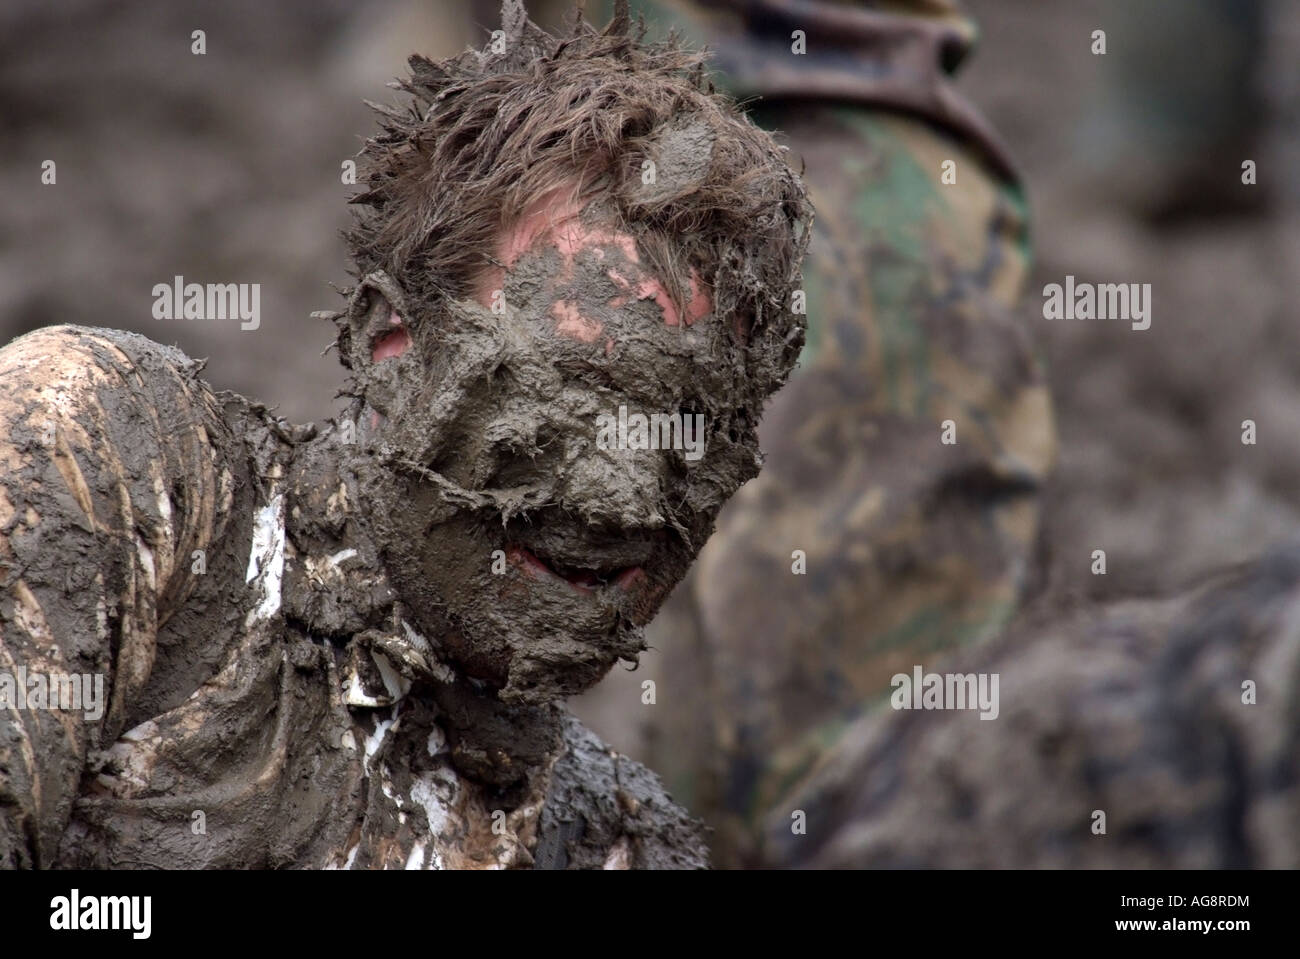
[531, 545]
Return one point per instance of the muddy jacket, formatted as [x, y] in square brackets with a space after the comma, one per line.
[264, 700]
[897, 513]
[1153, 733]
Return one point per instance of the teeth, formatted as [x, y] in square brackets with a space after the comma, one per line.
[578, 575]
[584, 578]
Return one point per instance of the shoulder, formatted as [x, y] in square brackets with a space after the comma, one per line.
[68, 372]
[113, 409]
[59, 346]
[604, 810]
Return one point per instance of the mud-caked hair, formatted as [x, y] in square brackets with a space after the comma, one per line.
[489, 131]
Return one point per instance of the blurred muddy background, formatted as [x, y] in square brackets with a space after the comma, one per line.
[226, 167]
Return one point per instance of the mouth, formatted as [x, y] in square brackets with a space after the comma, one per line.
[582, 579]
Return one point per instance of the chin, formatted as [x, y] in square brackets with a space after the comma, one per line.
[534, 641]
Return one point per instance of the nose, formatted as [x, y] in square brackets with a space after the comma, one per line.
[616, 488]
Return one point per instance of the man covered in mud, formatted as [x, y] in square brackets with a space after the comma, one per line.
[347, 647]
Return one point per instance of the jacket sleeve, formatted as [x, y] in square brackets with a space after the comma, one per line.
[106, 491]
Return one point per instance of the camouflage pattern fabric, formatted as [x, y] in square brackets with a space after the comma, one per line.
[867, 542]
[1147, 734]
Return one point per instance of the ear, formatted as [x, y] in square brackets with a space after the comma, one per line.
[367, 333]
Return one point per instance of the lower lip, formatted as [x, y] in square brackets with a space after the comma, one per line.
[629, 577]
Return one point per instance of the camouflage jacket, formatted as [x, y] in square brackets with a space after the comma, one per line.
[1144, 734]
[158, 536]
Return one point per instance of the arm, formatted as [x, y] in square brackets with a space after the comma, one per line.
[96, 531]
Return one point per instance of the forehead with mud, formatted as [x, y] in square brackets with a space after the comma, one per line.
[686, 173]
